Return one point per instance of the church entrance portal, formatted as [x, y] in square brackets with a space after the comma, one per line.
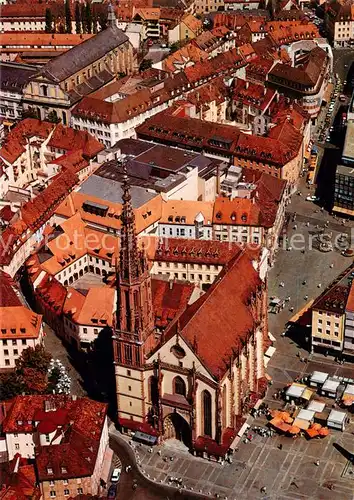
[176, 427]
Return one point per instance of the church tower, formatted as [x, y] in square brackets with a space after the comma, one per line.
[134, 321]
[111, 16]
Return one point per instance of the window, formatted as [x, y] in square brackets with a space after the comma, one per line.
[328, 332]
[206, 401]
[328, 323]
[14, 342]
[17, 446]
[66, 492]
[85, 330]
[129, 373]
[15, 352]
[320, 321]
[49, 470]
[80, 491]
[4, 342]
[179, 387]
[6, 352]
[129, 388]
[95, 330]
[24, 341]
[47, 440]
[53, 494]
[7, 362]
[51, 483]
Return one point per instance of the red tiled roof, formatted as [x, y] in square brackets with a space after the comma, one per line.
[8, 297]
[65, 138]
[350, 303]
[80, 423]
[200, 324]
[22, 484]
[169, 299]
[252, 94]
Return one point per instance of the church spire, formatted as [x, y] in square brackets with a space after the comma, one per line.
[132, 260]
[111, 16]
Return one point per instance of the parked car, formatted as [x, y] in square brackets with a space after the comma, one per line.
[311, 197]
[116, 475]
[112, 492]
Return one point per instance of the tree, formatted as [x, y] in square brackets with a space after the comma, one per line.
[52, 117]
[77, 18]
[48, 21]
[11, 385]
[145, 64]
[88, 17]
[68, 27]
[37, 358]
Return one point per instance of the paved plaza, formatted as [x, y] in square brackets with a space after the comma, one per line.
[89, 280]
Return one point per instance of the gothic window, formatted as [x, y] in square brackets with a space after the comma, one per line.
[179, 387]
[153, 390]
[224, 407]
[206, 414]
[43, 90]
[128, 353]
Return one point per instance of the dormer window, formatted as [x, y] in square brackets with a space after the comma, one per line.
[233, 216]
[219, 215]
[63, 469]
[49, 470]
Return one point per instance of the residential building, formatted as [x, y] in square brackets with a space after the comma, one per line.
[187, 386]
[306, 80]
[187, 28]
[22, 17]
[19, 480]
[339, 20]
[186, 219]
[62, 82]
[348, 341]
[250, 104]
[149, 18]
[20, 237]
[20, 327]
[14, 77]
[329, 321]
[241, 5]
[215, 41]
[255, 215]
[67, 437]
[30, 152]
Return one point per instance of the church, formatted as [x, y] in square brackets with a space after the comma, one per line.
[195, 379]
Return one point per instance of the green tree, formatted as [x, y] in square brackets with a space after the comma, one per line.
[11, 385]
[88, 17]
[48, 21]
[145, 64]
[52, 117]
[77, 18]
[68, 27]
[37, 358]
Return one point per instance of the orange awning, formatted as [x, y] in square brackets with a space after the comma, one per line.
[312, 432]
[294, 429]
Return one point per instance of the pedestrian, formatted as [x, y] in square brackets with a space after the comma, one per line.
[280, 447]
[263, 489]
[317, 463]
[331, 266]
[319, 285]
[306, 297]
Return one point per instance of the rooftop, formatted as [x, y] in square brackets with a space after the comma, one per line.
[77, 58]
[348, 149]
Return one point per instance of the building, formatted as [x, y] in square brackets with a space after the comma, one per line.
[37, 47]
[343, 191]
[20, 327]
[307, 79]
[62, 82]
[149, 18]
[348, 345]
[14, 77]
[188, 28]
[255, 215]
[19, 480]
[22, 235]
[66, 437]
[329, 319]
[339, 22]
[184, 379]
[33, 153]
[241, 5]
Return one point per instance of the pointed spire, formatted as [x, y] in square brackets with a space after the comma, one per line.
[111, 16]
[132, 261]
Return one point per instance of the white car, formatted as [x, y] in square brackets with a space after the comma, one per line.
[311, 197]
[116, 475]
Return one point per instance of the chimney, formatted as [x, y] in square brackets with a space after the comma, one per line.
[277, 97]
[247, 85]
[264, 91]
[171, 284]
